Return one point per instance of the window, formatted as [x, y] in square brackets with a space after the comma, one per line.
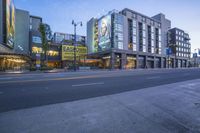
[152, 36]
[152, 43]
[144, 41]
[134, 31]
[31, 27]
[120, 45]
[134, 39]
[134, 47]
[159, 31]
[152, 29]
[152, 50]
[144, 48]
[160, 44]
[144, 34]
[144, 26]
[159, 38]
[134, 15]
[134, 23]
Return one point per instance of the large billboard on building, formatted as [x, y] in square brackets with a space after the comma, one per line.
[68, 52]
[104, 33]
[10, 23]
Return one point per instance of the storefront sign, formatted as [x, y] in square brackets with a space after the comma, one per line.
[68, 52]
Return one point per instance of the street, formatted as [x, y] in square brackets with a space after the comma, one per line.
[20, 91]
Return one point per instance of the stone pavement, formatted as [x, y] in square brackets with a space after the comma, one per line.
[173, 108]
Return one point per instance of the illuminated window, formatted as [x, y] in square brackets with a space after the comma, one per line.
[53, 53]
[37, 50]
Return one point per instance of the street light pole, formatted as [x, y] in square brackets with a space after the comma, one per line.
[75, 24]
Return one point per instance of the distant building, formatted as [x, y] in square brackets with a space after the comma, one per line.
[180, 40]
[128, 39]
[65, 42]
[68, 39]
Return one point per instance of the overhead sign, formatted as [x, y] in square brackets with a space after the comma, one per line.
[68, 52]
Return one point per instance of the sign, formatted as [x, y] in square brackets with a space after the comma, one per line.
[68, 52]
[104, 33]
[38, 62]
[10, 23]
[168, 51]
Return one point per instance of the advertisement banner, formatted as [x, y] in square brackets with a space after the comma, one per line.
[10, 23]
[104, 33]
[68, 52]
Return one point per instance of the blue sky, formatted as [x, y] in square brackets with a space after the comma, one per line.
[184, 14]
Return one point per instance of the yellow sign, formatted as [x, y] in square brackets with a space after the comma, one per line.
[68, 52]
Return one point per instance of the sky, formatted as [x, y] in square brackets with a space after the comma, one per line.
[184, 14]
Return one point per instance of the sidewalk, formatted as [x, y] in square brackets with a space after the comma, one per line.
[173, 108]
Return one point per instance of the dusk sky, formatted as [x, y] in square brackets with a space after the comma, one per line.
[184, 14]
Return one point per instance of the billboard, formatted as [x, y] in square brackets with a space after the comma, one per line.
[68, 52]
[104, 33]
[10, 23]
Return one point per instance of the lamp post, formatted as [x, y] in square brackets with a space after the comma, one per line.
[75, 24]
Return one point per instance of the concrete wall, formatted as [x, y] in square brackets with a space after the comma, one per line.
[22, 32]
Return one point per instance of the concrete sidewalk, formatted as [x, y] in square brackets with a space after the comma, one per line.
[173, 108]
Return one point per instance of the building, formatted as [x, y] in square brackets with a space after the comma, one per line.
[10, 56]
[180, 40]
[65, 42]
[128, 39]
[22, 32]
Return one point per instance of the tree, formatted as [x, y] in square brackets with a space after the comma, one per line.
[45, 45]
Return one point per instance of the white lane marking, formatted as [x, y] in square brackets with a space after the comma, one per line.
[88, 84]
[155, 77]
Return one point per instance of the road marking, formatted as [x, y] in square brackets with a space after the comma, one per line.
[155, 77]
[59, 79]
[88, 84]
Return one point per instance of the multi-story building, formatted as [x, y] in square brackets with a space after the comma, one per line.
[22, 32]
[65, 42]
[64, 38]
[128, 39]
[180, 41]
[13, 47]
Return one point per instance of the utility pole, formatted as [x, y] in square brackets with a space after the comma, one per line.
[75, 47]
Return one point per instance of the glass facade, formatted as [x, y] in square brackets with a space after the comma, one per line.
[118, 31]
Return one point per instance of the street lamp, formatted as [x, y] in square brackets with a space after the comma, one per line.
[75, 24]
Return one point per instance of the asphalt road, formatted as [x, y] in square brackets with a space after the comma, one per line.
[19, 91]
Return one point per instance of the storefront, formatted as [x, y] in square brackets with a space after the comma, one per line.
[14, 62]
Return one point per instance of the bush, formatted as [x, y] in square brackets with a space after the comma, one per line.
[33, 69]
[44, 68]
